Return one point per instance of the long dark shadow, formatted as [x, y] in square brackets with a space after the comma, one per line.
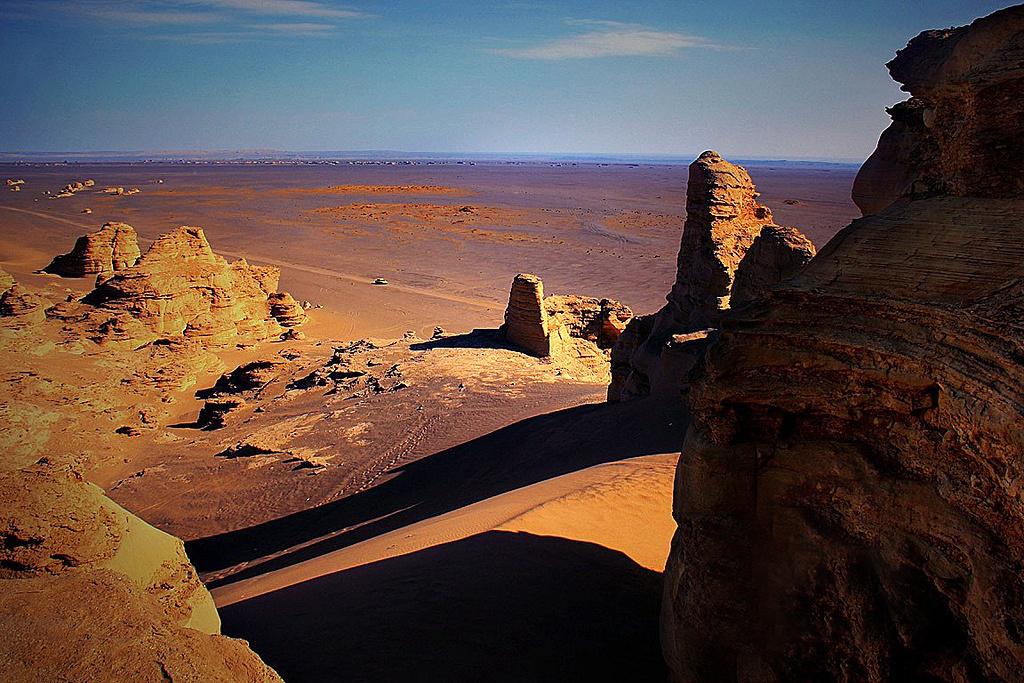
[521, 454]
[498, 606]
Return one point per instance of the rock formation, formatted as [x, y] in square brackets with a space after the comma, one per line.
[100, 626]
[953, 135]
[526, 322]
[179, 287]
[79, 574]
[6, 281]
[25, 305]
[776, 254]
[848, 494]
[568, 327]
[287, 311]
[113, 247]
[723, 221]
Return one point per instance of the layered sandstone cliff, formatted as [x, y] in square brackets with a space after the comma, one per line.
[723, 222]
[113, 247]
[848, 494]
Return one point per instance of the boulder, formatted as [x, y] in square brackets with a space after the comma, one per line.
[287, 311]
[777, 254]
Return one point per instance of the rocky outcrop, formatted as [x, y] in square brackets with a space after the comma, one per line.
[575, 328]
[25, 305]
[100, 626]
[179, 287]
[526, 322]
[959, 133]
[777, 254]
[80, 574]
[723, 221]
[848, 494]
[287, 311]
[598, 321]
[6, 281]
[113, 247]
[53, 522]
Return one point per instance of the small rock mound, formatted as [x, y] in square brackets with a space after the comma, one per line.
[28, 306]
[287, 311]
[113, 247]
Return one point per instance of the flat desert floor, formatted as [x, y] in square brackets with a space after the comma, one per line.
[458, 510]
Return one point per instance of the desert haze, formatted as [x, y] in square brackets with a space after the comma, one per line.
[387, 418]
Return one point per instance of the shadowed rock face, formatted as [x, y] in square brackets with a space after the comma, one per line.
[960, 132]
[113, 247]
[777, 254]
[848, 493]
[723, 221]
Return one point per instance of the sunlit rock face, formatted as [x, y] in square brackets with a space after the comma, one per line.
[180, 287]
[113, 247]
[848, 495]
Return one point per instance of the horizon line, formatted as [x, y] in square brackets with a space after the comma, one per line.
[250, 154]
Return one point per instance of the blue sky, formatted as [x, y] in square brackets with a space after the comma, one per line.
[802, 79]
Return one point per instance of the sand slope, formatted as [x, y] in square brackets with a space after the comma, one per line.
[559, 580]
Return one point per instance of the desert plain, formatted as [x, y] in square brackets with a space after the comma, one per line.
[396, 493]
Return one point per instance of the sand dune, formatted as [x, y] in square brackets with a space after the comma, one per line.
[558, 579]
[618, 505]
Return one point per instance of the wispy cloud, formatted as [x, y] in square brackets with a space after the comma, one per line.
[293, 8]
[140, 14]
[296, 29]
[211, 21]
[612, 39]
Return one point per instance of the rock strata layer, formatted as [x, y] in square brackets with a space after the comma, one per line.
[848, 493]
[113, 247]
[723, 222]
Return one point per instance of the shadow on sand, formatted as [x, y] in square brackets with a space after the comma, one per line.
[521, 454]
[481, 338]
[498, 606]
